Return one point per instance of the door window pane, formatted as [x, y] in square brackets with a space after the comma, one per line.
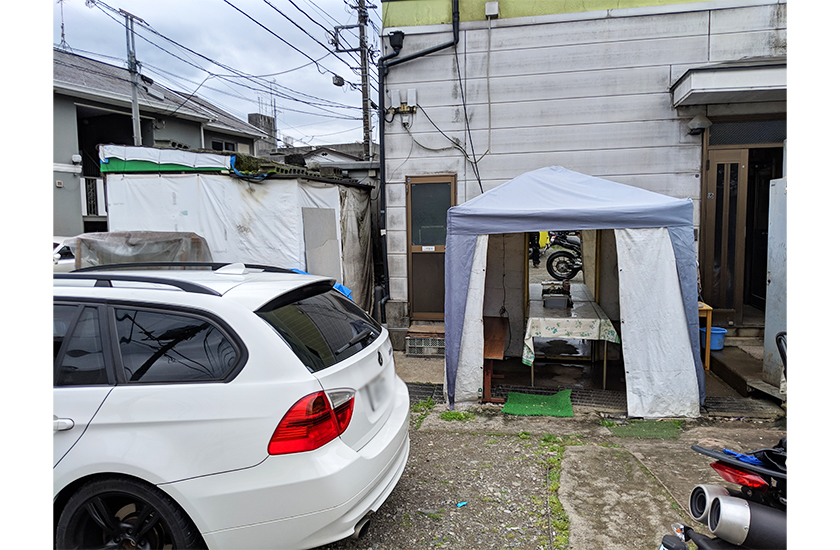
[83, 363]
[429, 203]
[166, 347]
[732, 233]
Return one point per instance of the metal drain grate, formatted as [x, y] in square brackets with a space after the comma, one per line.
[601, 399]
[420, 392]
[611, 401]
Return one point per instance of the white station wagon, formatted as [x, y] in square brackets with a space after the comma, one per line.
[219, 406]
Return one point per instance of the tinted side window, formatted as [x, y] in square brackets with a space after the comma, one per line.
[167, 347]
[82, 362]
[322, 329]
[62, 319]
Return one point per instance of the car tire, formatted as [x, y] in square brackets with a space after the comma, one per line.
[118, 512]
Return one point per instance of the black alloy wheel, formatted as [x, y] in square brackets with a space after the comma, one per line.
[125, 514]
[562, 265]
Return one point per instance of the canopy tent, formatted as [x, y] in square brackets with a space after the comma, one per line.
[657, 280]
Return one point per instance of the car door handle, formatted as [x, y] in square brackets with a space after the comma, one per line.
[62, 424]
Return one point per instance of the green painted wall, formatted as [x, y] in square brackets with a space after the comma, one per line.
[407, 13]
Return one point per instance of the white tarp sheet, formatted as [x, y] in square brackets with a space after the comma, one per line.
[659, 371]
[242, 222]
[472, 348]
[164, 156]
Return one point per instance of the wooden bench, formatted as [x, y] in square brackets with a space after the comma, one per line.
[495, 336]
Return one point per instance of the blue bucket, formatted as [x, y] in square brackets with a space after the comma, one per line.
[716, 341]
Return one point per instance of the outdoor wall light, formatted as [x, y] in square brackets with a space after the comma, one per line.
[698, 124]
[395, 39]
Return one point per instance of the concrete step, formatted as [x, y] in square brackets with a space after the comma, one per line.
[745, 332]
[743, 373]
[743, 341]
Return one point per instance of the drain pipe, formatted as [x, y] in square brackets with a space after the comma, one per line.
[383, 291]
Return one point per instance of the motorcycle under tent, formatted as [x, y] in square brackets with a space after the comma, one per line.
[657, 286]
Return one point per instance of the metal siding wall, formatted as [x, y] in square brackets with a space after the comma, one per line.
[591, 95]
[67, 203]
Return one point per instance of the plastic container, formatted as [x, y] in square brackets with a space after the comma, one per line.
[716, 341]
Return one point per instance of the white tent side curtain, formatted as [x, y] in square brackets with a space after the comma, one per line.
[555, 198]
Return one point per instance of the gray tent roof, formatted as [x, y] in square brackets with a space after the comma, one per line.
[555, 198]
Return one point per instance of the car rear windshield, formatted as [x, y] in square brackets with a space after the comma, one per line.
[321, 325]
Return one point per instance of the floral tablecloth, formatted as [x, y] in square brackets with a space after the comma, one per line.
[585, 320]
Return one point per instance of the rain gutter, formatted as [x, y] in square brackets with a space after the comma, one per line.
[384, 65]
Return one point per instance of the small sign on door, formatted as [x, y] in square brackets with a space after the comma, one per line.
[428, 249]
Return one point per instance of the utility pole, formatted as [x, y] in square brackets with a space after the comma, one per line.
[132, 69]
[363, 58]
[361, 7]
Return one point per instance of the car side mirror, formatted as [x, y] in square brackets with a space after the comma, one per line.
[56, 257]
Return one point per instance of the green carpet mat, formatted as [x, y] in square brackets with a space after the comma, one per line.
[526, 404]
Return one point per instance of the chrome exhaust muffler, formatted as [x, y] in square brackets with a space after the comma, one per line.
[701, 500]
[742, 522]
[361, 528]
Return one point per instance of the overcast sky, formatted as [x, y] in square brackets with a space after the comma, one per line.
[219, 32]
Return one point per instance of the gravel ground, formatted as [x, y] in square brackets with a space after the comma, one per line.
[500, 481]
[491, 480]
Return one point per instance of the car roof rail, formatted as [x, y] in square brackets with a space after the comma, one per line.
[106, 279]
[211, 265]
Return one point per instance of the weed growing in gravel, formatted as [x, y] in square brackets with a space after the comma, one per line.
[524, 435]
[550, 453]
[424, 409]
[460, 416]
[423, 405]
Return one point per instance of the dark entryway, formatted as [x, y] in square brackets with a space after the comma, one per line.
[733, 248]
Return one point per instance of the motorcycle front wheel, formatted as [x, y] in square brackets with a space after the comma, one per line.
[562, 265]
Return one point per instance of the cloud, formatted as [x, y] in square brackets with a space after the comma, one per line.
[221, 34]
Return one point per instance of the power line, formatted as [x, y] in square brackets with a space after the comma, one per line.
[267, 87]
[304, 31]
[326, 30]
[277, 36]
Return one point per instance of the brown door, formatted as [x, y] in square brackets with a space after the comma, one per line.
[428, 199]
[725, 208]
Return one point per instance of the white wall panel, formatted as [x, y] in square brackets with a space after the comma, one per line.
[754, 18]
[580, 137]
[586, 137]
[509, 35]
[395, 193]
[396, 219]
[545, 86]
[529, 114]
[725, 47]
[538, 61]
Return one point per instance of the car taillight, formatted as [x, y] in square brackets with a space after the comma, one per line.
[313, 422]
[734, 475]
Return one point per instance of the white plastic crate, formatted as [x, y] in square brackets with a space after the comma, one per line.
[424, 347]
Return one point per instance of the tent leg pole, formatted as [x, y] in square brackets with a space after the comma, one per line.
[605, 366]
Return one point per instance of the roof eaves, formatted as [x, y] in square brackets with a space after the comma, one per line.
[124, 100]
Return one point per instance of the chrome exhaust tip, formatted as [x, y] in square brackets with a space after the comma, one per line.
[701, 499]
[739, 521]
[361, 528]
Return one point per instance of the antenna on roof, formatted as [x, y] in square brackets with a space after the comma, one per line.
[63, 45]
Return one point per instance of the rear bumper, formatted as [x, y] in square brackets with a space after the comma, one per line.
[304, 500]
